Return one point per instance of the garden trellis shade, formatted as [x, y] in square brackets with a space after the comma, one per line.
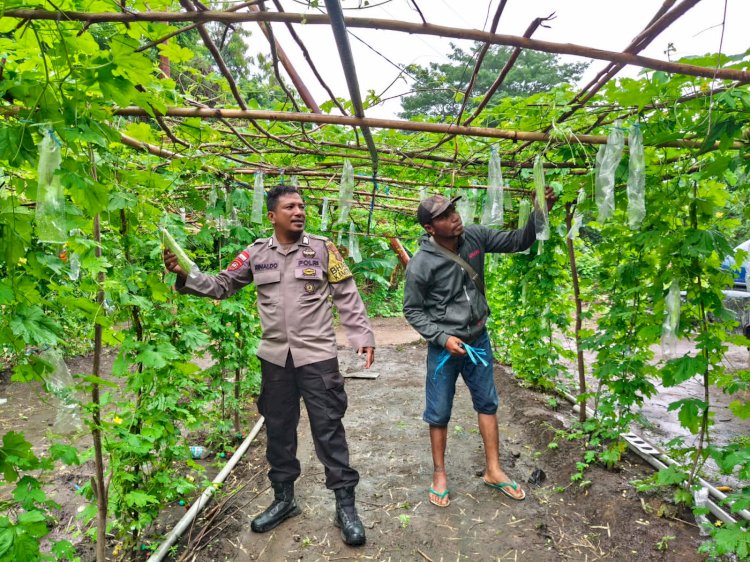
[250, 142]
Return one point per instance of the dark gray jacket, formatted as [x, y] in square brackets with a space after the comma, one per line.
[440, 300]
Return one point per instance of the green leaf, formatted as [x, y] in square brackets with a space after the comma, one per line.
[65, 453]
[690, 412]
[740, 409]
[6, 292]
[29, 493]
[91, 196]
[734, 539]
[15, 453]
[677, 371]
[670, 476]
[6, 540]
[133, 66]
[175, 53]
[139, 499]
[33, 326]
[92, 379]
[151, 358]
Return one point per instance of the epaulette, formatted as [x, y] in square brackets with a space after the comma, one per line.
[260, 241]
[318, 237]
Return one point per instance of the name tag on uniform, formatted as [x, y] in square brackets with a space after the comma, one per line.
[265, 266]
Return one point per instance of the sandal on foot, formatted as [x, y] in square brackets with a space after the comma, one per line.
[441, 496]
[502, 487]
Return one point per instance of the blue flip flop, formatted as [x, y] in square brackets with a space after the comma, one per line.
[441, 495]
[501, 486]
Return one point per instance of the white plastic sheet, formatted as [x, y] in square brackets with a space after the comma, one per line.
[524, 210]
[61, 386]
[346, 192]
[492, 214]
[354, 252]
[259, 199]
[636, 179]
[671, 320]
[577, 221]
[607, 160]
[541, 218]
[324, 215]
[466, 206]
[50, 197]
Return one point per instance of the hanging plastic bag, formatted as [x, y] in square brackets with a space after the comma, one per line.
[466, 206]
[354, 244]
[607, 160]
[50, 197]
[324, 215]
[187, 265]
[294, 181]
[73, 259]
[671, 320]
[229, 211]
[346, 192]
[636, 179]
[213, 196]
[524, 211]
[259, 195]
[61, 386]
[492, 214]
[577, 221]
[541, 217]
[508, 200]
[422, 192]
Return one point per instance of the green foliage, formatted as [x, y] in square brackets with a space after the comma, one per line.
[29, 514]
[439, 88]
[68, 76]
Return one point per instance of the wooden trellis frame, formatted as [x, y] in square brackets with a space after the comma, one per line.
[196, 16]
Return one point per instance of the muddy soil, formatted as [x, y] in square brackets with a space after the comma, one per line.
[559, 520]
[606, 520]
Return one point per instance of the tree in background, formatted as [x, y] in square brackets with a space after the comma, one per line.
[438, 90]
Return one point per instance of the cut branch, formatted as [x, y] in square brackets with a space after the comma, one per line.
[211, 113]
[391, 25]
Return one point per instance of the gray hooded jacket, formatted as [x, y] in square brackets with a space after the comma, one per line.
[440, 299]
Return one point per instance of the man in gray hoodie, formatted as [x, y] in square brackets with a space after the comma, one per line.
[444, 301]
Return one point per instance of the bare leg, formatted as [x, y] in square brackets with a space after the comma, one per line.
[438, 440]
[493, 473]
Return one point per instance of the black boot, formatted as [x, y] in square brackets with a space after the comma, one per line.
[283, 507]
[347, 519]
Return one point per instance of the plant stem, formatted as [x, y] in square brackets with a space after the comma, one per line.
[579, 314]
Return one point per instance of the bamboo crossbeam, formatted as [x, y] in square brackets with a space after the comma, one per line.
[389, 25]
[211, 113]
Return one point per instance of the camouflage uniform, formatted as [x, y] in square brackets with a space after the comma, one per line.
[296, 287]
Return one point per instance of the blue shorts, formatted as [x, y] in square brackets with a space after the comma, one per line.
[441, 386]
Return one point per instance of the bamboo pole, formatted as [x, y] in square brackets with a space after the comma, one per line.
[389, 25]
[211, 113]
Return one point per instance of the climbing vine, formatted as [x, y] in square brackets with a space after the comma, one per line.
[64, 80]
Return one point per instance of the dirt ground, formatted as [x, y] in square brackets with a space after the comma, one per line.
[607, 520]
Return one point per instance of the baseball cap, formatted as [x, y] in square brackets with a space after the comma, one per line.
[434, 206]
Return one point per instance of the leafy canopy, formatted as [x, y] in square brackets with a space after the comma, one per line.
[439, 88]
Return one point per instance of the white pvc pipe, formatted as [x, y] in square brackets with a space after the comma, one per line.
[656, 455]
[187, 519]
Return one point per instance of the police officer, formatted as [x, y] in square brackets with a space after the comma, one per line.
[295, 274]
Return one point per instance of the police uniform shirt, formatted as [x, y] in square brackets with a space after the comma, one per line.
[293, 286]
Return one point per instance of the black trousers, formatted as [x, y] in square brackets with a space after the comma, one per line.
[321, 386]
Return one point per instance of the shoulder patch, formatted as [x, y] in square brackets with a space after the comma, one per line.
[337, 269]
[239, 261]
